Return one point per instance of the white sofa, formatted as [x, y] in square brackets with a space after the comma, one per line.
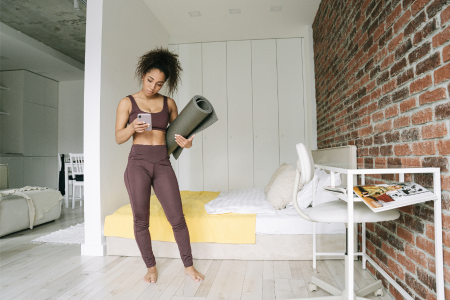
[14, 210]
[14, 215]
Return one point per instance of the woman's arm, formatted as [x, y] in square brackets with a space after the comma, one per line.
[173, 111]
[124, 132]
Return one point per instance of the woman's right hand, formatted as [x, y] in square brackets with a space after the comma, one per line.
[139, 126]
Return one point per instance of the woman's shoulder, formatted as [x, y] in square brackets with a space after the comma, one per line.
[125, 103]
[170, 101]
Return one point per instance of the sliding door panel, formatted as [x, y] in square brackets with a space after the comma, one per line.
[240, 128]
[265, 110]
[190, 162]
[215, 142]
[290, 98]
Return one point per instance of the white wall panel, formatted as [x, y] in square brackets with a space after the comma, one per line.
[34, 129]
[70, 116]
[190, 162]
[51, 172]
[290, 98]
[34, 171]
[34, 88]
[215, 143]
[256, 88]
[173, 161]
[51, 93]
[15, 166]
[265, 110]
[51, 131]
[240, 128]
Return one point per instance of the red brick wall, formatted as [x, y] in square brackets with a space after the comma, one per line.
[382, 72]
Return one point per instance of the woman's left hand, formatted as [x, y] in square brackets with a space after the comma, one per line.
[182, 142]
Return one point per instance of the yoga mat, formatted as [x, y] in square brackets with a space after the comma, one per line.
[196, 116]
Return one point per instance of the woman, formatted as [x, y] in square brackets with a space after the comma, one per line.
[148, 162]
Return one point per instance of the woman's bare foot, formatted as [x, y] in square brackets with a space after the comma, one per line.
[152, 275]
[195, 275]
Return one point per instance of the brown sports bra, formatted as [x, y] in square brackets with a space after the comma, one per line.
[160, 120]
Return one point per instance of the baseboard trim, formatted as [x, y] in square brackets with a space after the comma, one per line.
[93, 250]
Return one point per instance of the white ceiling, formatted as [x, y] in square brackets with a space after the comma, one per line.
[255, 21]
[24, 52]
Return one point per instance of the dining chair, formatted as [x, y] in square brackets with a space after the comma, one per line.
[77, 167]
[69, 178]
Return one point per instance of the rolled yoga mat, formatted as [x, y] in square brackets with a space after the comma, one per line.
[196, 116]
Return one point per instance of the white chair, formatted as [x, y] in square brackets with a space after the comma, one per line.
[77, 167]
[335, 212]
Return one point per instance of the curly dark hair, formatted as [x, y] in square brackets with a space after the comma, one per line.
[163, 60]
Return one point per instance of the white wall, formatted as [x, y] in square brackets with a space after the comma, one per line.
[70, 116]
[117, 33]
[257, 89]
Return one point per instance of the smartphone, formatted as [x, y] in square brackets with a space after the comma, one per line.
[146, 118]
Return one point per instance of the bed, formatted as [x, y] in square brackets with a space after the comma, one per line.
[283, 235]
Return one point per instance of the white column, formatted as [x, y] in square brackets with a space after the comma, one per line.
[94, 240]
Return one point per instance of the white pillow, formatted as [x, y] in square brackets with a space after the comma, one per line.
[280, 194]
[242, 201]
[304, 196]
[275, 174]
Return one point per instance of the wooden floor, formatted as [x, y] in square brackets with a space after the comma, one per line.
[46, 271]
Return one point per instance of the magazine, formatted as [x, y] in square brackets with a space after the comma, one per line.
[340, 191]
[382, 197]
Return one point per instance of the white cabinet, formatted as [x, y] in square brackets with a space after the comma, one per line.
[240, 118]
[12, 103]
[31, 126]
[34, 88]
[34, 171]
[51, 172]
[51, 131]
[51, 93]
[15, 167]
[266, 152]
[33, 129]
[290, 98]
[256, 88]
[190, 163]
[215, 139]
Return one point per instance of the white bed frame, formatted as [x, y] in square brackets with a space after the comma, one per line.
[266, 247]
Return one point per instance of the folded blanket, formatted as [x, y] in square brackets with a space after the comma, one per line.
[39, 199]
[203, 228]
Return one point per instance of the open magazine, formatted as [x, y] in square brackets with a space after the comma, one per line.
[382, 197]
[339, 191]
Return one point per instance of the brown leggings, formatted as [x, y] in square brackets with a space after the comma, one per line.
[149, 165]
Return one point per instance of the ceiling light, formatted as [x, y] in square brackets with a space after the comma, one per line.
[276, 8]
[235, 11]
[195, 14]
[75, 5]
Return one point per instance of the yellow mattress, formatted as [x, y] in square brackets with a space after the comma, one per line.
[203, 228]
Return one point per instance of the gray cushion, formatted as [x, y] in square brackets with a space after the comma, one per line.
[336, 212]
